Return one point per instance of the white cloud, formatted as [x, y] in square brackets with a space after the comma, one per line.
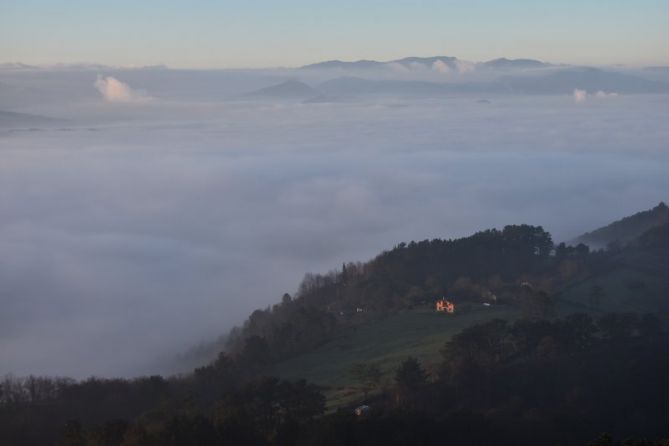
[113, 90]
[580, 95]
[396, 66]
[464, 67]
[441, 66]
[604, 94]
[417, 66]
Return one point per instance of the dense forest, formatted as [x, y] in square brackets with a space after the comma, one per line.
[594, 376]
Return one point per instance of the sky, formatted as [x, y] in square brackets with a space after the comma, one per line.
[268, 33]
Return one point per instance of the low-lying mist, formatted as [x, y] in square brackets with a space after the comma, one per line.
[132, 230]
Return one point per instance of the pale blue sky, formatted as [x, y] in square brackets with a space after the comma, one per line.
[263, 33]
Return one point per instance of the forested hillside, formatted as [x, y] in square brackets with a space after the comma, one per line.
[627, 229]
[489, 266]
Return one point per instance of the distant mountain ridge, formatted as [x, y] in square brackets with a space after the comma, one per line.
[627, 229]
[584, 78]
[14, 119]
[358, 86]
[441, 63]
[290, 89]
[557, 80]
[503, 62]
[329, 64]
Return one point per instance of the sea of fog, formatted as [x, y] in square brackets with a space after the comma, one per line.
[130, 231]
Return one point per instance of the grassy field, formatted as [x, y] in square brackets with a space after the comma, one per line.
[423, 333]
[418, 333]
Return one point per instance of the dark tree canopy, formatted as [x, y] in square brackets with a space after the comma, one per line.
[410, 374]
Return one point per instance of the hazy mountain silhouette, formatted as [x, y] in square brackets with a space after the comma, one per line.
[13, 119]
[504, 63]
[562, 81]
[344, 86]
[626, 229]
[589, 79]
[290, 89]
[442, 63]
[338, 64]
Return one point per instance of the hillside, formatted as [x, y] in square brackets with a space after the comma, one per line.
[526, 337]
[636, 279]
[382, 311]
[410, 275]
[627, 229]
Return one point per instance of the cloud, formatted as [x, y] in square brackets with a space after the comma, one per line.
[418, 67]
[441, 66]
[113, 90]
[398, 67]
[465, 67]
[603, 94]
[580, 95]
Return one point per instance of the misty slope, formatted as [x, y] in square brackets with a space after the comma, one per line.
[505, 63]
[626, 229]
[560, 82]
[12, 119]
[290, 89]
[347, 86]
[586, 78]
[338, 64]
[656, 237]
[636, 278]
[411, 76]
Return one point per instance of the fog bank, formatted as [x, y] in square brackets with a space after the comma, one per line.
[131, 230]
